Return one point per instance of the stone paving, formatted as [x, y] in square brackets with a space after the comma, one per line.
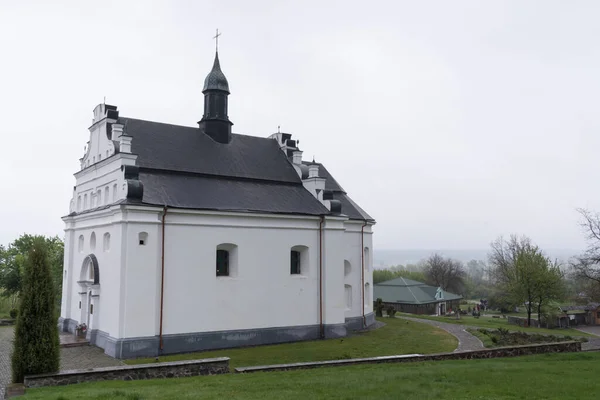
[593, 343]
[81, 357]
[6, 335]
[592, 330]
[466, 341]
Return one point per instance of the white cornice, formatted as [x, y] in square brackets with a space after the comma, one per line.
[105, 162]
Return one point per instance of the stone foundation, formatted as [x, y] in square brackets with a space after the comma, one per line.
[356, 323]
[178, 369]
[562, 347]
[202, 341]
[520, 321]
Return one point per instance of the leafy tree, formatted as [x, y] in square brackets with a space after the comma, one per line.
[10, 272]
[550, 285]
[12, 261]
[524, 274]
[36, 344]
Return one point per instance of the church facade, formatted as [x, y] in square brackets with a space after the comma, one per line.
[190, 238]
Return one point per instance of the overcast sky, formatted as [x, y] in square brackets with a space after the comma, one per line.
[450, 122]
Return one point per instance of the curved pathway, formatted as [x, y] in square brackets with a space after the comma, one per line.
[466, 341]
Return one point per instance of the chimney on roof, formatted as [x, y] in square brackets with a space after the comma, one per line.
[117, 131]
[297, 157]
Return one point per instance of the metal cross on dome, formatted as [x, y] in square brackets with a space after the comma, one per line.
[216, 37]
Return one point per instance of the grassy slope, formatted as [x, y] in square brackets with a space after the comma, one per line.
[548, 376]
[397, 337]
[495, 323]
[485, 339]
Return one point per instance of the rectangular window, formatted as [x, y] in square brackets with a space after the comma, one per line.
[222, 263]
[295, 263]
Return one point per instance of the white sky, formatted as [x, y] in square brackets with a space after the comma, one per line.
[450, 122]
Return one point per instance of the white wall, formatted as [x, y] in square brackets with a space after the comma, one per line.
[99, 222]
[261, 294]
[333, 279]
[353, 254]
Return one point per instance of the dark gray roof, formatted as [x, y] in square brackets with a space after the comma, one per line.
[186, 149]
[179, 166]
[349, 207]
[210, 193]
[216, 79]
[330, 182]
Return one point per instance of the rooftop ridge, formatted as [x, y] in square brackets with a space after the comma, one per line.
[122, 119]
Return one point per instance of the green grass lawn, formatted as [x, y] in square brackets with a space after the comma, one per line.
[547, 376]
[495, 323]
[397, 337]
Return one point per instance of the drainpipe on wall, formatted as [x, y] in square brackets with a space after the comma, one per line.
[321, 327]
[362, 271]
[162, 278]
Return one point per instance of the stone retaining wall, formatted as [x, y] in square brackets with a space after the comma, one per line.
[562, 347]
[520, 321]
[177, 369]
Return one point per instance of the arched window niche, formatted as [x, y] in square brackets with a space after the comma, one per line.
[93, 241]
[366, 258]
[226, 260]
[347, 268]
[299, 261]
[106, 242]
[143, 238]
[348, 296]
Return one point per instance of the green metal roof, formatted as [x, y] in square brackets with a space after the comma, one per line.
[407, 291]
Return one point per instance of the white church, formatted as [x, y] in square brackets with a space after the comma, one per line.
[190, 238]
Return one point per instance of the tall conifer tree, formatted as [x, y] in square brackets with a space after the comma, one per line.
[36, 344]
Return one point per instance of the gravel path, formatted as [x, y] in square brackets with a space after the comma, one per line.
[466, 341]
[6, 336]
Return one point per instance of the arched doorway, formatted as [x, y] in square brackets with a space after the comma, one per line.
[89, 281]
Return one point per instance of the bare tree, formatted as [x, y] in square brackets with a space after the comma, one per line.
[503, 257]
[587, 266]
[444, 272]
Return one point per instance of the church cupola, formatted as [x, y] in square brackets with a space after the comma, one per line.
[215, 121]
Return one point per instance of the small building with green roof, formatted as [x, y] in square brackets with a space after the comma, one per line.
[407, 295]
